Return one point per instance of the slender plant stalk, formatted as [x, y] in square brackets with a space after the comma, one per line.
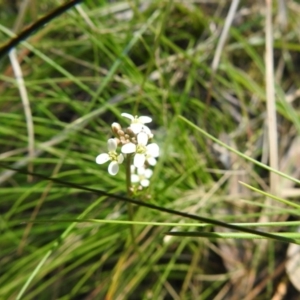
[128, 175]
[129, 194]
[271, 105]
[124, 257]
[26, 104]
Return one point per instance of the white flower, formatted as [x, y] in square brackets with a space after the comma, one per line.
[142, 176]
[145, 129]
[112, 155]
[137, 123]
[152, 152]
[142, 152]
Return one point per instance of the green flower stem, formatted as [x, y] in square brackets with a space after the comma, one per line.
[128, 175]
[129, 194]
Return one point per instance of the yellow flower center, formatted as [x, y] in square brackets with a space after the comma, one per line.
[113, 155]
[141, 149]
[135, 120]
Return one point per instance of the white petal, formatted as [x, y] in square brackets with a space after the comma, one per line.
[151, 161]
[112, 145]
[145, 183]
[126, 115]
[136, 127]
[128, 148]
[142, 138]
[145, 119]
[113, 168]
[120, 158]
[102, 158]
[148, 173]
[135, 178]
[147, 130]
[153, 150]
[141, 171]
[132, 168]
[139, 160]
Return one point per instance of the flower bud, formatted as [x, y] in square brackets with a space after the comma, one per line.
[122, 140]
[115, 128]
[130, 132]
[120, 133]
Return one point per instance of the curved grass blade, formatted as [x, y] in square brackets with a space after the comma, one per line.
[37, 25]
[155, 207]
[238, 152]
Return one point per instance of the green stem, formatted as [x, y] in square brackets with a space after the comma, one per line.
[129, 194]
[128, 175]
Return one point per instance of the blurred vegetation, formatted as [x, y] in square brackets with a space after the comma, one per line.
[154, 58]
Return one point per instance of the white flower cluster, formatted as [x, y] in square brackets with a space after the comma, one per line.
[133, 141]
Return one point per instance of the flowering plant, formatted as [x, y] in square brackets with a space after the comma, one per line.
[135, 149]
